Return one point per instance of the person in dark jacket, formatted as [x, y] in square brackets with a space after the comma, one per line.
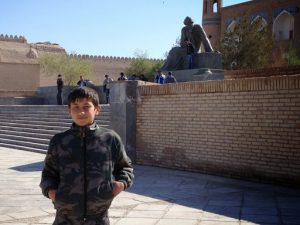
[86, 166]
[60, 85]
[170, 78]
[81, 82]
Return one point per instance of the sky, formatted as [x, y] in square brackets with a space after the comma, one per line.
[121, 28]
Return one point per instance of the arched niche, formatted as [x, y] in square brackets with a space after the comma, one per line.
[283, 26]
[231, 26]
[264, 23]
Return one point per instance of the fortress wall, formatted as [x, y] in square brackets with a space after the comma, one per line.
[245, 128]
[14, 49]
[19, 79]
[112, 67]
[12, 38]
[101, 65]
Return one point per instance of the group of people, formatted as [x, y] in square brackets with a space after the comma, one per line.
[107, 80]
[132, 77]
[160, 78]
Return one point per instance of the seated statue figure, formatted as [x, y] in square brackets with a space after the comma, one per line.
[192, 36]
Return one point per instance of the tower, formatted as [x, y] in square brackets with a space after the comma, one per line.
[211, 21]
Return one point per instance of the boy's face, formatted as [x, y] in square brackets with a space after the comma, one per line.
[83, 111]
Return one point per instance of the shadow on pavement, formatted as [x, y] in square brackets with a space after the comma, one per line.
[31, 167]
[221, 198]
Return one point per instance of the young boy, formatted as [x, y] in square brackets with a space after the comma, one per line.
[85, 166]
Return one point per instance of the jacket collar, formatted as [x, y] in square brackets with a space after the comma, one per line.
[84, 131]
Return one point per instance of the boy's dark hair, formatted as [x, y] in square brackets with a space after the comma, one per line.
[83, 92]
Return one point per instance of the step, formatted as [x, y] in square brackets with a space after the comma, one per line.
[39, 122]
[29, 129]
[27, 134]
[35, 126]
[47, 121]
[34, 100]
[24, 143]
[104, 108]
[25, 138]
[40, 111]
[37, 117]
[21, 147]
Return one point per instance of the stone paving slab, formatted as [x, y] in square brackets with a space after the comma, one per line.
[158, 197]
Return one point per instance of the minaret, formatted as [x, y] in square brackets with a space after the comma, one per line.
[211, 21]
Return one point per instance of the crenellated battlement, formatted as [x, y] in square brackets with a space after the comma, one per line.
[12, 38]
[107, 58]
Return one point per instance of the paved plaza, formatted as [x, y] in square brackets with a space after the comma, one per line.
[158, 197]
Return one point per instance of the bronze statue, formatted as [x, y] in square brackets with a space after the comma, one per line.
[192, 36]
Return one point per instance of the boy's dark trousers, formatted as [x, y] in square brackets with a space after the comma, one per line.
[69, 220]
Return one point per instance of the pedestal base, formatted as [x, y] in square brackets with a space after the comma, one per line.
[211, 60]
[198, 74]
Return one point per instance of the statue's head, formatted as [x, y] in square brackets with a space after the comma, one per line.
[188, 21]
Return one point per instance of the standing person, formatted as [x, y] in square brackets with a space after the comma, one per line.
[85, 167]
[60, 85]
[106, 87]
[157, 76]
[133, 77]
[170, 78]
[81, 82]
[160, 77]
[143, 78]
[122, 76]
[190, 53]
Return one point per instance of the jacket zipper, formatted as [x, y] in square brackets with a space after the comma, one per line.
[83, 147]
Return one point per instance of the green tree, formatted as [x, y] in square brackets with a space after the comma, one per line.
[293, 57]
[70, 67]
[142, 65]
[247, 45]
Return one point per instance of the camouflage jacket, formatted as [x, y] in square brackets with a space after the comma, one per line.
[81, 164]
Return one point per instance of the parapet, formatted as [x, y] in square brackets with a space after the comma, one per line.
[12, 38]
[107, 58]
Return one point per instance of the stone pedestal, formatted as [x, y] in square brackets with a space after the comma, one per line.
[210, 60]
[198, 74]
[206, 66]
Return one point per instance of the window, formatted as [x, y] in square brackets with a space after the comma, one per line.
[215, 6]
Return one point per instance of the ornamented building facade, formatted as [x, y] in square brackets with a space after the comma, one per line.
[284, 16]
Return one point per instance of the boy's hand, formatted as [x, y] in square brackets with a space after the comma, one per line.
[52, 195]
[117, 187]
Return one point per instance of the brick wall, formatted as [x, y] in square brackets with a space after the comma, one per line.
[265, 72]
[248, 128]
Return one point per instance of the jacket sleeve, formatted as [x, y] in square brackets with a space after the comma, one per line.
[123, 169]
[50, 174]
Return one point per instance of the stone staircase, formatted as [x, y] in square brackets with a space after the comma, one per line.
[30, 127]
